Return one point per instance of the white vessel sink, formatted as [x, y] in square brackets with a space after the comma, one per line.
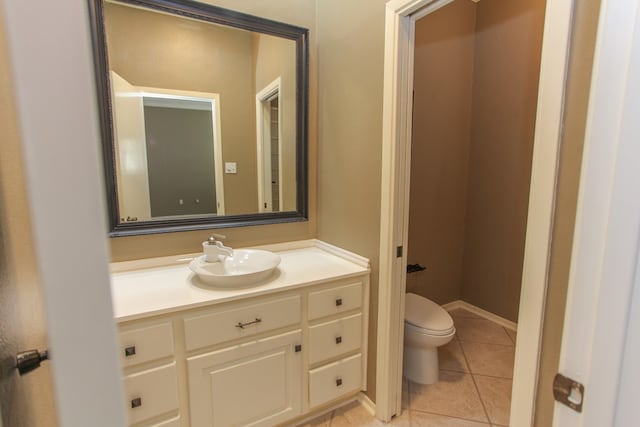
[245, 267]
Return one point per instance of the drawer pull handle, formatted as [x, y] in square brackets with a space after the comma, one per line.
[136, 403]
[338, 340]
[253, 322]
[338, 302]
[130, 351]
[338, 382]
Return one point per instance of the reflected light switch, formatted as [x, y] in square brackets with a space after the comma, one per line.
[230, 167]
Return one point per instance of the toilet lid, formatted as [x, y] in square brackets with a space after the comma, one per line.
[426, 314]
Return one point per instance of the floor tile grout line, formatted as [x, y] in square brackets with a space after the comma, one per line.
[477, 374]
[467, 364]
[484, 408]
[489, 343]
[492, 376]
[450, 416]
[509, 335]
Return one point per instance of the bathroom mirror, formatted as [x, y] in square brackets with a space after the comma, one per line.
[203, 116]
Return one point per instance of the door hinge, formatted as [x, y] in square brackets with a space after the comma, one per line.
[399, 252]
[568, 392]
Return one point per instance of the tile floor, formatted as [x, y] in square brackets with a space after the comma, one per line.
[476, 369]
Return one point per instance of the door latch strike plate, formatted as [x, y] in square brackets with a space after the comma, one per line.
[568, 392]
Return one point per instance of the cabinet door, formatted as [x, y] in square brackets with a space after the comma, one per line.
[258, 383]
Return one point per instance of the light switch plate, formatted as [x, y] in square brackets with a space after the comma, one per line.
[230, 167]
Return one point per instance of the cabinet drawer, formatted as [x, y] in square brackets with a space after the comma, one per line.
[151, 393]
[146, 344]
[242, 321]
[334, 338]
[335, 300]
[334, 380]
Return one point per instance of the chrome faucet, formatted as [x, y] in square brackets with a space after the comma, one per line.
[214, 250]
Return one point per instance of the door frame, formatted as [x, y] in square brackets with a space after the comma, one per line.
[214, 100]
[263, 149]
[400, 20]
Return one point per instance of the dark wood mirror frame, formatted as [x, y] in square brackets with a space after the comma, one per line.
[217, 15]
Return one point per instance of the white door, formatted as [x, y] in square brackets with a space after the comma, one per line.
[131, 150]
[602, 323]
[56, 119]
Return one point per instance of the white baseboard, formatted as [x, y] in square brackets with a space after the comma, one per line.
[481, 312]
[367, 403]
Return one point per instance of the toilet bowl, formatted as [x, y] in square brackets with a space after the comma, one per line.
[427, 326]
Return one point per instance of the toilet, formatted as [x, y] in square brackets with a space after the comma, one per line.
[427, 326]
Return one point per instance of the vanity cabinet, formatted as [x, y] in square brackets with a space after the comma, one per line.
[262, 357]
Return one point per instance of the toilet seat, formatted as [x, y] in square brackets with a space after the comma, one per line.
[426, 317]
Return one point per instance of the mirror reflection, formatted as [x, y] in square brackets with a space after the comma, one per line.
[168, 154]
[203, 116]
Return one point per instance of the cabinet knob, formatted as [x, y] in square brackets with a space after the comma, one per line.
[136, 403]
[338, 382]
[338, 340]
[338, 302]
[130, 351]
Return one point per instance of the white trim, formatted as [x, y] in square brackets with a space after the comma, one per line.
[604, 266]
[365, 402]
[263, 134]
[343, 253]
[548, 132]
[214, 100]
[316, 414]
[398, 82]
[481, 312]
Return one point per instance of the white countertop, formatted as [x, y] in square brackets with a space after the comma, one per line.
[146, 288]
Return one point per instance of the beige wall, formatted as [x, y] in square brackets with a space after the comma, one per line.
[275, 57]
[475, 81]
[585, 24]
[198, 57]
[350, 135]
[443, 77]
[506, 68]
[28, 400]
[296, 12]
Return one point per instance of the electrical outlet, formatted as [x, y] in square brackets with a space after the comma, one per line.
[230, 167]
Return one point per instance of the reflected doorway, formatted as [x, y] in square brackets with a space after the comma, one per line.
[269, 140]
